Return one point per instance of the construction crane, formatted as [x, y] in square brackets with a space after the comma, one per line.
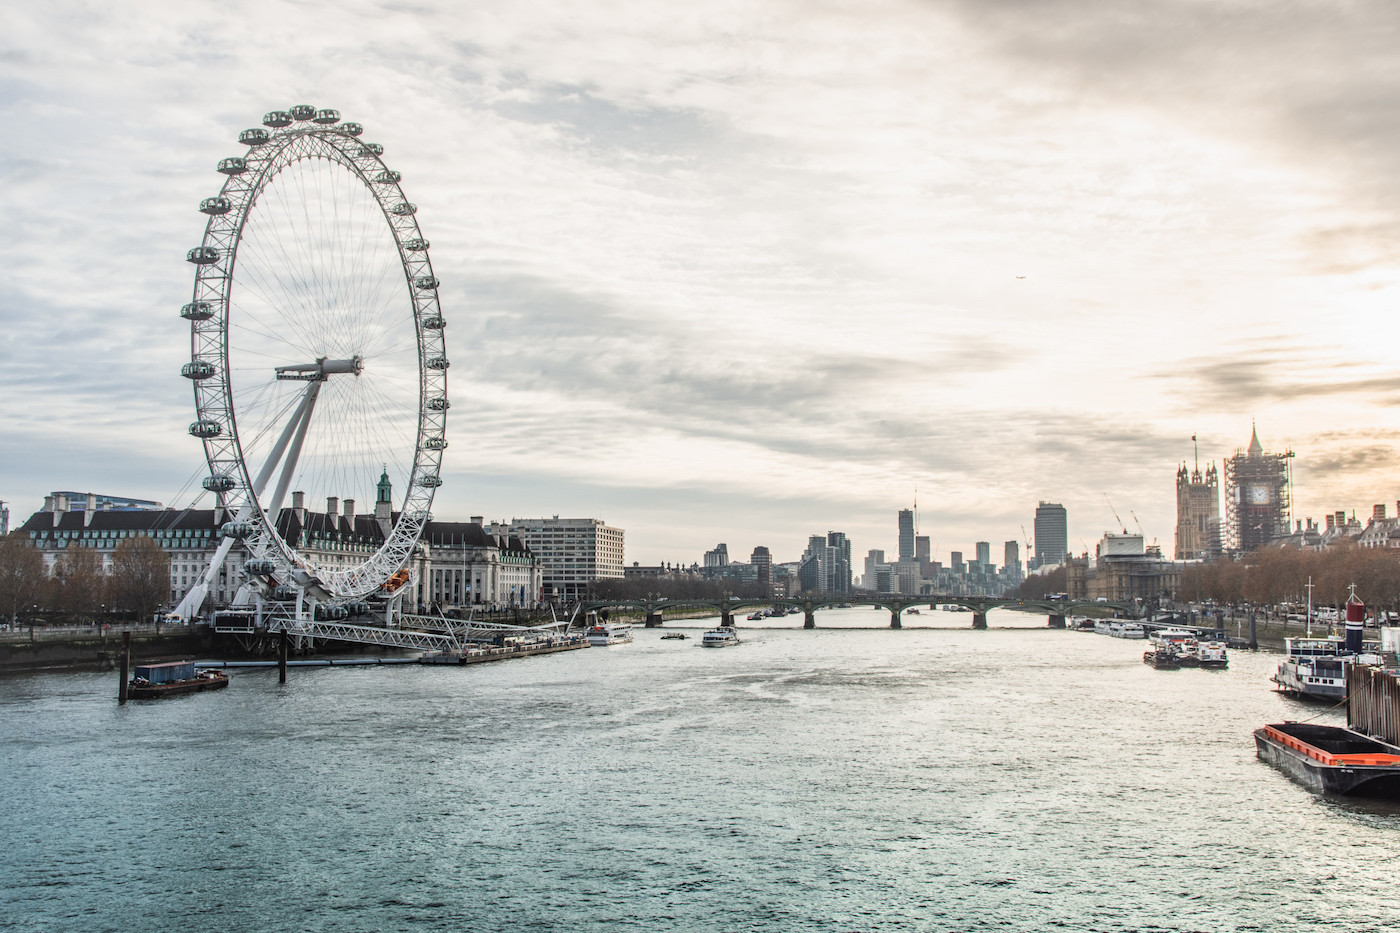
[1138, 523]
[1115, 513]
[1028, 547]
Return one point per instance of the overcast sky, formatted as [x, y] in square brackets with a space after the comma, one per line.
[751, 271]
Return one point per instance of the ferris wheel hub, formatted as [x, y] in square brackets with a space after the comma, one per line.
[321, 369]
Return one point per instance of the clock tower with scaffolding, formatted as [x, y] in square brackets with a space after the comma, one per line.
[1257, 487]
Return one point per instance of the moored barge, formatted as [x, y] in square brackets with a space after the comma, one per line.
[1331, 760]
[173, 678]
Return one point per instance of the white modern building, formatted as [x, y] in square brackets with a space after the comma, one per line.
[573, 552]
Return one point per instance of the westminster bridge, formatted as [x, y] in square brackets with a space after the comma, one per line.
[729, 606]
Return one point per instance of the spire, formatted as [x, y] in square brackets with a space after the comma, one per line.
[1255, 448]
[385, 490]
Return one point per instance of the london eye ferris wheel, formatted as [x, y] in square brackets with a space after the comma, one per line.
[318, 358]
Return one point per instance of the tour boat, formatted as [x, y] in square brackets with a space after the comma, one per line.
[1211, 655]
[1330, 759]
[608, 633]
[173, 678]
[674, 635]
[721, 637]
[1317, 667]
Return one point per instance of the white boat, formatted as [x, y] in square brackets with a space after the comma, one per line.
[1127, 630]
[1103, 627]
[1317, 667]
[721, 637]
[608, 633]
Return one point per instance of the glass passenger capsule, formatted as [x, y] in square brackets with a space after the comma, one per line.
[439, 404]
[302, 112]
[374, 148]
[431, 481]
[434, 323]
[219, 482]
[202, 255]
[437, 442]
[206, 428]
[415, 245]
[404, 209]
[197, 311]
[438, 362]
[259, 567]
[284, 593]
[236, 529]
[327, 117]
[351, 129]
[215, 205]
[423, 281]
[277, 119]
[197, 370]
[388, 177]
[233, 165]
[254, 137]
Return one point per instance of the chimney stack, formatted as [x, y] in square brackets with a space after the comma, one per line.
[1331, 521]
[332, 505]
[1378, 512]
[350, 512]
[90, 510]
[477, 520]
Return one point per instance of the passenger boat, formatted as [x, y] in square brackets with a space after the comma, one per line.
[173, 678]
[680, 636]
[1212, 655]
[756, 616]
[608, 633]
[1317, 667]
[1330, 759]
[722, 637]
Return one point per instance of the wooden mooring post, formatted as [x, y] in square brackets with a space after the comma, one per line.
[282, 657]
[125, 668]
[1373, 703]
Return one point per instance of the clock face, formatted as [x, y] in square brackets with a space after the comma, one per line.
[1259, 495]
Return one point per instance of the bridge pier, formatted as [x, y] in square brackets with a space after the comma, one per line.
[726, 618]
[1057, 620]
[653, 619]
[979, 620]
[809, 619]
[894, 618]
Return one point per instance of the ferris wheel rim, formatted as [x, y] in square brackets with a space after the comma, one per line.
[299, 139]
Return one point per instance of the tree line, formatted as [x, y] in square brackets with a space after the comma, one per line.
[80, 588]
[1275, 575]
[676, 586]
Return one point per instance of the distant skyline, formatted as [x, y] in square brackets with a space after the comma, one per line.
[753, 272]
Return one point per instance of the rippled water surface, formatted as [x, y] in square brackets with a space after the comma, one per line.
[837, 779]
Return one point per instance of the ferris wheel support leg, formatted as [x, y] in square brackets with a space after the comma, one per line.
[302, 420]
[296, 427]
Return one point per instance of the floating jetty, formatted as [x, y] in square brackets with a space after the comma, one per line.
[470, 654]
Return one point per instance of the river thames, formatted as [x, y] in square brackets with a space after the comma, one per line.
[839, 779]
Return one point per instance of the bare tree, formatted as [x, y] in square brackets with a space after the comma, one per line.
[140, 576]
[22, 575]
[79, 582]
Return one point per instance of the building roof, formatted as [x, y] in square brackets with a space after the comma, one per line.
[1255, 448]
